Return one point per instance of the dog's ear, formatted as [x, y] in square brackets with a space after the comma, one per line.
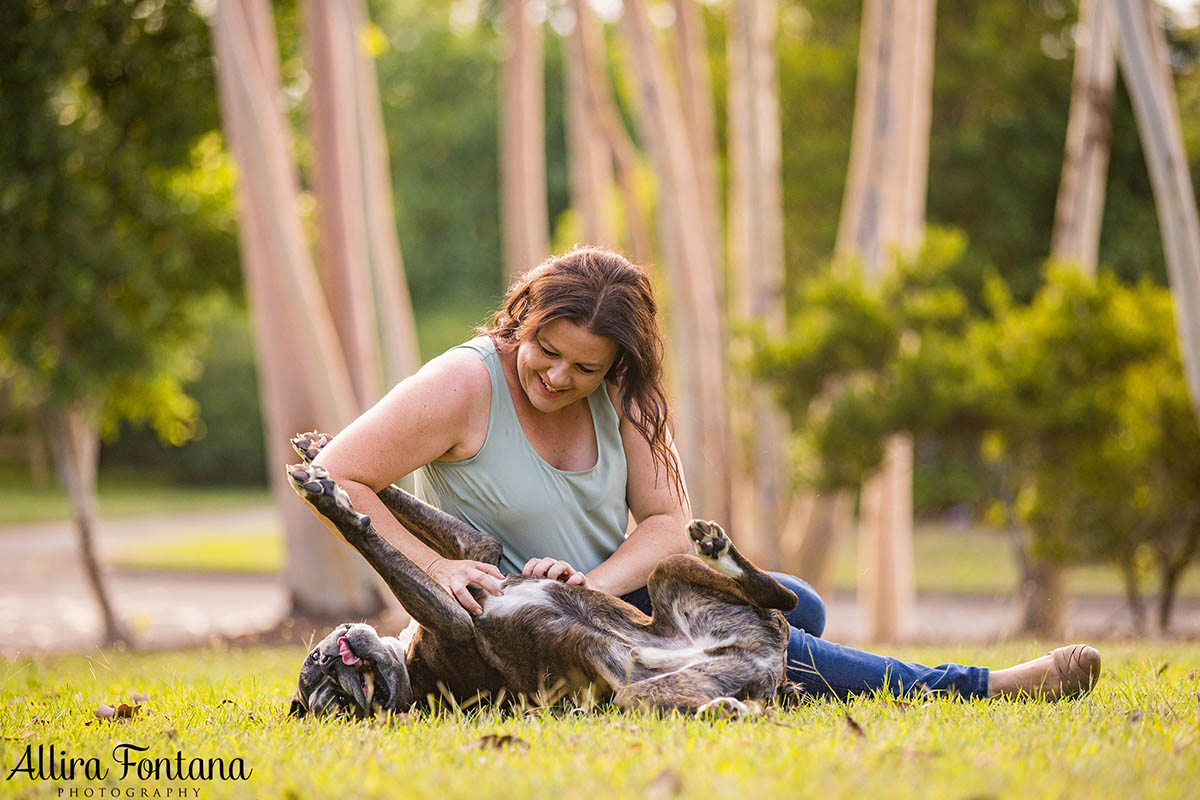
[298, 709]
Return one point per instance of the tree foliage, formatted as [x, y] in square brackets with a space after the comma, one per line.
[113, 212]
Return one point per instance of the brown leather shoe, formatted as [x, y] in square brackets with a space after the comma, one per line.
[1066, 672]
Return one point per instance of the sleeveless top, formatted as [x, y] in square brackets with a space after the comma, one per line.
[511, 492]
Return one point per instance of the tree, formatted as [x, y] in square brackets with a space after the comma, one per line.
[103, 263]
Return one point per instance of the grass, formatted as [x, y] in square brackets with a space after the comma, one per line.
[980, 560]
[119, 496]
[1135, 736]
[250, 549]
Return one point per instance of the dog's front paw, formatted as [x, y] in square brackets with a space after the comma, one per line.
[728, 708]
[308, 445]
[708, 539]
[313, 484]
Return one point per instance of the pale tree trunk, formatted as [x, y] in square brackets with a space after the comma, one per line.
[75, 444]
[818, 522]
[589, 158]
[1075, 239]
[1143, 56]
[602, 112]
[694, 282]
[523, 213]
[696, 96]
[1080, 205]
[303, 377]
[884, 210]
[756, 266]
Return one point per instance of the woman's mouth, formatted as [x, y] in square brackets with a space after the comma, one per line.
[546, 388]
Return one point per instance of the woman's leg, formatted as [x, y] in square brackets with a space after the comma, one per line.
[809, 613]
[826, 669]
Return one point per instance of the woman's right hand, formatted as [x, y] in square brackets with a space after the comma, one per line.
[455, 576]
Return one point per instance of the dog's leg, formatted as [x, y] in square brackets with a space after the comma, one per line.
[711, 544]
[447, 535]
[707, 689]
[429, 604]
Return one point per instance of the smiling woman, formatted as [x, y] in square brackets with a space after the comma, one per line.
[549, 431]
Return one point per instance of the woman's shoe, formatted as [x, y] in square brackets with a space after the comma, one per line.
[1066, 672]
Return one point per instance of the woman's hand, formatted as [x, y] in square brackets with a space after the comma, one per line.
[455, 576]
[554, 569]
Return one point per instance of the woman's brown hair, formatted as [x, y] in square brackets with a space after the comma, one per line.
[604, 294]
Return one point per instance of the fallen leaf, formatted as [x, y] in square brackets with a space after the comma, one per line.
[500, 741]
[126, 711]
[855, 727]
[105, 711]
[138, 697]
[19, 736]
[170, 733]
[666, 784]
[1161, 670]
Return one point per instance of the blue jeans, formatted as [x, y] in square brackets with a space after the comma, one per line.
[825, 669]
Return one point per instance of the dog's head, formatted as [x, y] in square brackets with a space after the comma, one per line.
[353, 671]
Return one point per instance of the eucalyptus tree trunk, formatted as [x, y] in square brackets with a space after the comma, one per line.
[523, 214]
[1075, 239]
[696, 315]
[75, 444]
[602, 111]
[1143, 56]
[1080, 205]
[361, 267]
[756, 266]
[884, 210]
[589, 158]
[303, 375]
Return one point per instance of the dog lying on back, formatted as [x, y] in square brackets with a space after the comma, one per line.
[717, 639]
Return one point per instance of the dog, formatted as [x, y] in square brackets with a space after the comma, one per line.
[716, 642]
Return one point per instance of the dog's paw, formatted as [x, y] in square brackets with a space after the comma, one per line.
[708, 539]
[308, 445]
[728, 708]
[312, 483]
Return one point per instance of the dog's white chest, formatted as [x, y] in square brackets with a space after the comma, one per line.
[516, 597]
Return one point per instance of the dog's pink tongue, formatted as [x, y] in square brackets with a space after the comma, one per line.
[348, 656]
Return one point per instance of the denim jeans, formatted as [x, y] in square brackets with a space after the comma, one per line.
[825, 669]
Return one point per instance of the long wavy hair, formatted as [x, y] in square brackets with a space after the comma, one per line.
[604, 294]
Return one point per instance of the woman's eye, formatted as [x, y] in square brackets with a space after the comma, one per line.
[586, 371]
[547, 353]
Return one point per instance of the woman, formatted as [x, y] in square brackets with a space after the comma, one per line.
[550, 430]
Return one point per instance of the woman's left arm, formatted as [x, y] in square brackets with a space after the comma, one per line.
[660, 514]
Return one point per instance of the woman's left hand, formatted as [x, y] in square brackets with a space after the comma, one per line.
[554, 569]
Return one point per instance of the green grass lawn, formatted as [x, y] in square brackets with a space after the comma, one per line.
[242, 549]
[119, 496]
[1135, 736]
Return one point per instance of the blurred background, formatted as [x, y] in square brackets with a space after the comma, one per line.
[930, 276]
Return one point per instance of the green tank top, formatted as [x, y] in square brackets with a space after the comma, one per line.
[535, 510]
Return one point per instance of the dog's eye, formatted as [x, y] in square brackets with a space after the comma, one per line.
[316, 656]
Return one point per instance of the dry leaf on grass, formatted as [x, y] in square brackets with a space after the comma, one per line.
[666, 784]
[855, 727]
[501, 741]
[19, 736]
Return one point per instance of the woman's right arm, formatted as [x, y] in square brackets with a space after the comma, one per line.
[437, 413]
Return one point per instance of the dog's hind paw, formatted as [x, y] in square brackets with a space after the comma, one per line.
[728, 708]
[308, 445]
[710, 542]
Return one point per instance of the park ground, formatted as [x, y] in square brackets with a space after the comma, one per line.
[194, 574]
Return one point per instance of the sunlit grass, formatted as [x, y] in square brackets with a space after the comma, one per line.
[242, 549]
[1135, 736]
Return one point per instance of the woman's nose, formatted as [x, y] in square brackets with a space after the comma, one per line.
[558, 374]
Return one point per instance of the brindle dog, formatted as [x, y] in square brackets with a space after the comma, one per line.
[716, 642]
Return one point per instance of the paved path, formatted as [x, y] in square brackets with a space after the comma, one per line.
[45, 604]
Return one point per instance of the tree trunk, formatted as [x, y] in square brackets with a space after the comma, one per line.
[1043, 591]
[1080, 206]
[523, 212]
[884, 209]
[1133, 595]
[811, 548]
[694, 282]
[602, 110]
[756, 266]
[588, 155]
[75, 443]
[303, 377]
[1144, 65]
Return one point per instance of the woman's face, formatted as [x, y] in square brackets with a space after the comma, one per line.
[562, 363]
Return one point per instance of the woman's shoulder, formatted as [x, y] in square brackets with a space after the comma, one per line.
[458, 371]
